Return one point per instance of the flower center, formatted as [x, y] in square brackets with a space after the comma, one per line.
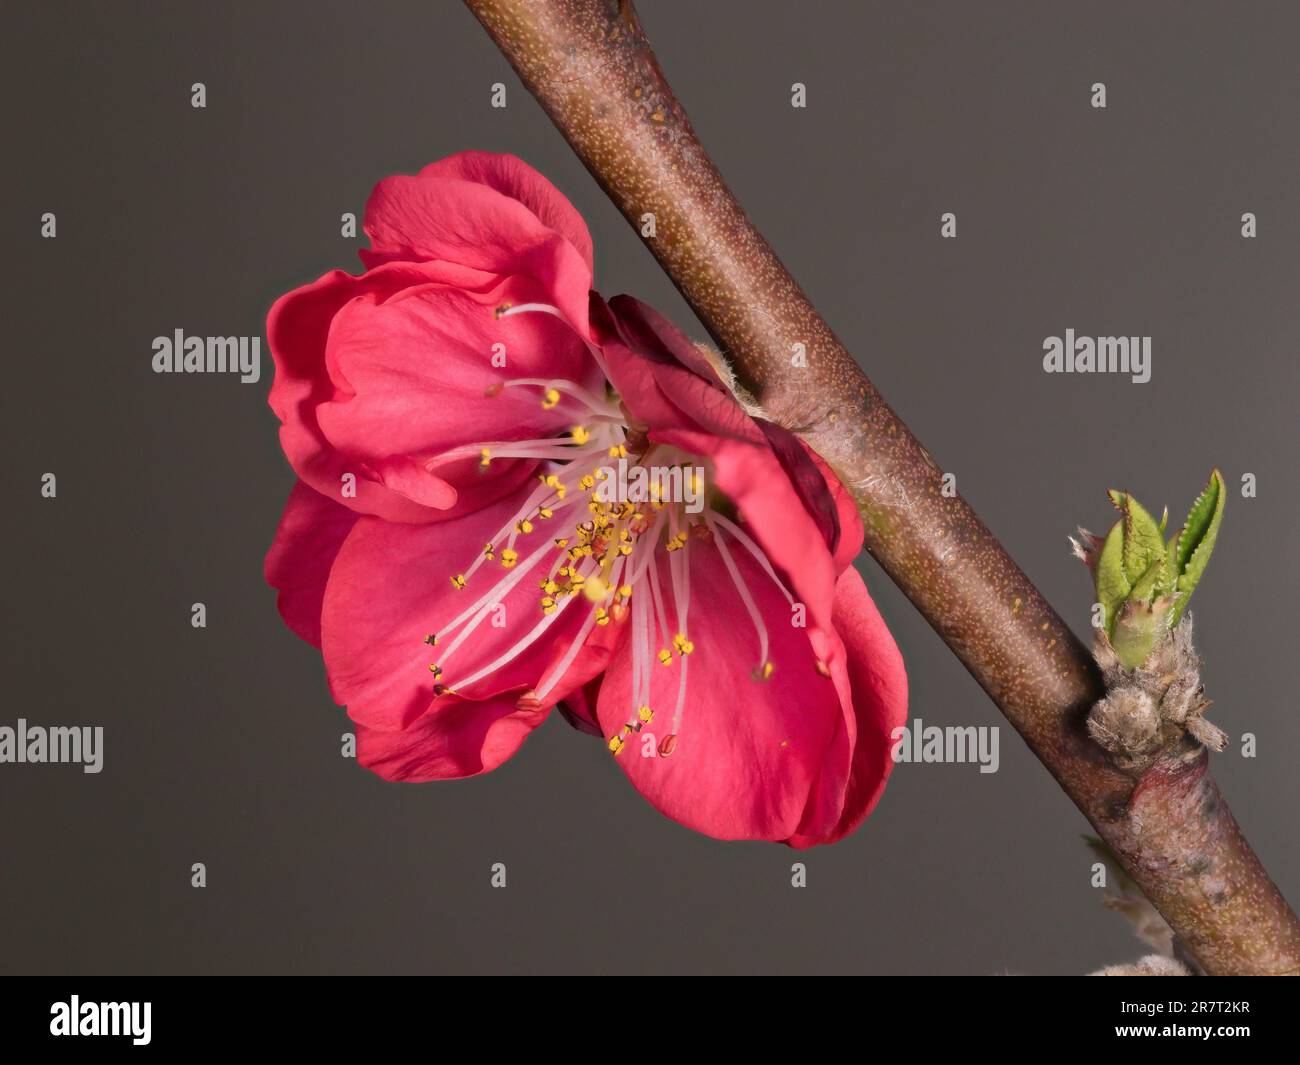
[608, 508]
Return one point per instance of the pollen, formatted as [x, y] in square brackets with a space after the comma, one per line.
[489, 551]
[509, 557]
[484, 459]
[545, 512]
[580, 434]
[548, 604]
[646, 715]
[458, 581]
[550, 398]
[436, 670]
[618, 451]
[683, 645]
[602, 616]
[666, 656]
[523, 526]
[616, 745]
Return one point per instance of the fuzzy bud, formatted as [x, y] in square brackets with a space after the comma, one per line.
[1127, 724]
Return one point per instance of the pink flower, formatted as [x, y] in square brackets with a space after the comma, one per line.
[676, 578]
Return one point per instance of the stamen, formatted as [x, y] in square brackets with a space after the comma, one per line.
[754, 550]
[745, 596]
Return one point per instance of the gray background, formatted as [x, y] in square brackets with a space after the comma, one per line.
[222, 744]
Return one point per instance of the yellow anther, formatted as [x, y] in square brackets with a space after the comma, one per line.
[563, 541]
[625, 592]
[545, 512]
[431, 640]
[618, 451]
[666, 656]
[484, 459]
[768, 669]
[548, 604]
[489, 550]
[577, 581]
[524, 526]
[436, 670]
[550, 587]
[645, 714]
[683, 645]
[587, 481]
[458, 581]
[602, 616]
[550, 398]
[625, 549]
[580, 435]
[509, 557]
[616, 745]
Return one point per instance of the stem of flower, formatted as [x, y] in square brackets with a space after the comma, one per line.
[589, 64]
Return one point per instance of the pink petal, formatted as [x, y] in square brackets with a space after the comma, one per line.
[391, 586]
[512, 177]
[879, 685]
[432, 217]
[377, 374]
[412, 373]
[455, 740]
[754, 759]
[311, 532]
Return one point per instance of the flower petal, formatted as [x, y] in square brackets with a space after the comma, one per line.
[754, 759]
[377, 376]
[391, 586]
[878, 681]
[459, 739]
[441, 218]
[512, 177]
[311, 532]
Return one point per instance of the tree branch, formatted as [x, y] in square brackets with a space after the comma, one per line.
[589, 64]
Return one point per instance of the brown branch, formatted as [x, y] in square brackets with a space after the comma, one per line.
[590, 66]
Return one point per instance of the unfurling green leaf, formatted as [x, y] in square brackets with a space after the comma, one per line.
[1112, 584]
[1144, 582]
[1195, 543]
[1143, 541]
